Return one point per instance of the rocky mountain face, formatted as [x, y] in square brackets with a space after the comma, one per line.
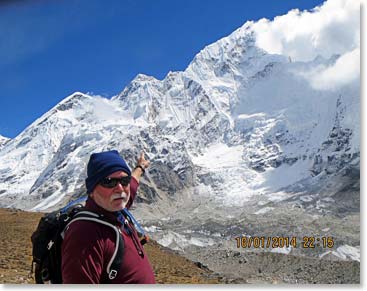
[240, 132]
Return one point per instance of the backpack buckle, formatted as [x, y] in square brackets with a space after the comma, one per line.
[50, 244]
[112, 274]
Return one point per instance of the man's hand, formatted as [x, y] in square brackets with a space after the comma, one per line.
[142, 161]
[140, 167]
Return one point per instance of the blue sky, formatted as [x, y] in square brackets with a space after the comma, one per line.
[50, 49]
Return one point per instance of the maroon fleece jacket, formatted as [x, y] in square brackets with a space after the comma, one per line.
[88, 247]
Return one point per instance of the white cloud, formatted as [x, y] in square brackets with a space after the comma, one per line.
[328, 30]
[345, 70]
[332, 28]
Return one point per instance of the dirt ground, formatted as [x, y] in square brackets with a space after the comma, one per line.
[16, 228]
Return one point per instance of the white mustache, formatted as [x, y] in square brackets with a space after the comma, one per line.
[116, 196]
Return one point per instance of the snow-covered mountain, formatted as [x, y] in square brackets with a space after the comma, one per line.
[239, 129]
[3, 140]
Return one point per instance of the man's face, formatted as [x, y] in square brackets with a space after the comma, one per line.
[112, 199]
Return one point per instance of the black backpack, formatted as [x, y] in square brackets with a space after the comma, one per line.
[47, 239]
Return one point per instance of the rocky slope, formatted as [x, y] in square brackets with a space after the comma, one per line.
[170, 268]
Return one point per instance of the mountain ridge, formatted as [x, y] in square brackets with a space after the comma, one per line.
[222, 96]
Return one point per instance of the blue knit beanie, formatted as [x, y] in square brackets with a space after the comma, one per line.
[101, 165]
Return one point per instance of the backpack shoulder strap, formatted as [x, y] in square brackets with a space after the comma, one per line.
[116, 259]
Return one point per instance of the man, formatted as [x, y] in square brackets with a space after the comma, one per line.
[88, 246]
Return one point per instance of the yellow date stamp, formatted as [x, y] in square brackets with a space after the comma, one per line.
[307, 242]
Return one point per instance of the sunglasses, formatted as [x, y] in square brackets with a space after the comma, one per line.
[112, 182]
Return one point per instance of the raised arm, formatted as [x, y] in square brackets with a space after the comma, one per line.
[141, 166]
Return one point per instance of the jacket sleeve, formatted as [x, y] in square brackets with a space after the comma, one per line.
[82, 255]
[134, 184]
